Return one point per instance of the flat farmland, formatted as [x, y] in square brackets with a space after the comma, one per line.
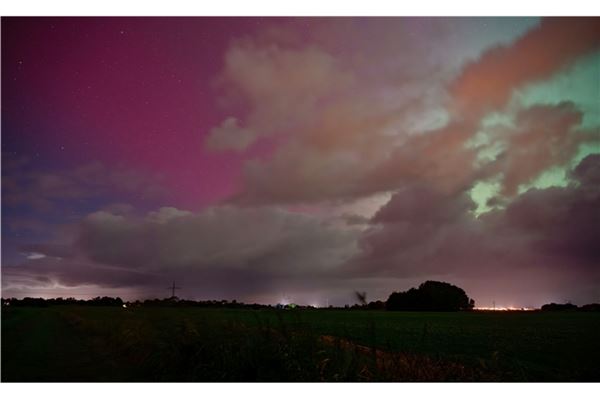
[85, 343]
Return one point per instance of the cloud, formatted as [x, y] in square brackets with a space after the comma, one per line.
[549, 233]
[239, 250]
[356, 120]
[45, 190]
[334, 127]
[50, 273]
[544, 240]
[555, 43]
[229, 135]
[541, 137]
[438, 157]
[298, 174]
[34, 255]
[561, 222]
[331, 123]
[41, 205]
[588, 172]
[281, 86]
[410, 233]
[227, 237]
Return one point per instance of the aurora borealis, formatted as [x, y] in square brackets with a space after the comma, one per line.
[306, 158]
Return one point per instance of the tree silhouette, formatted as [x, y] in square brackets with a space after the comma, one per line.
[431, 296]
[361, 297]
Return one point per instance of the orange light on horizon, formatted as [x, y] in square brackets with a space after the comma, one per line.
[503, 309]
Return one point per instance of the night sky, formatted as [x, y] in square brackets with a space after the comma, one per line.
[301, 159]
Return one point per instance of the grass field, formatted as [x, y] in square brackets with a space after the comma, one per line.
[71, 343]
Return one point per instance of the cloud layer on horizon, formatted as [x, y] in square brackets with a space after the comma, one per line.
[228, 251]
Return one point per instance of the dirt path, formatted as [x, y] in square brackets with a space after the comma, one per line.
[399, 366]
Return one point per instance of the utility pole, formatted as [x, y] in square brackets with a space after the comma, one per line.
[173, 288]
[494, 305]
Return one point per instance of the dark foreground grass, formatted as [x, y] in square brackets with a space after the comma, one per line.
[71, 343]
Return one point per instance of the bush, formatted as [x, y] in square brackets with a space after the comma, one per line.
[559, 306]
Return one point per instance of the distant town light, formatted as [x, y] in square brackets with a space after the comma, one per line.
[503, 309]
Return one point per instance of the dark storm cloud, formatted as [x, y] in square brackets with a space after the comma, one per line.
[224, 249]
[227, 251]
[414, 231]
[269, 239]
[542, 136]
[552, 232]
[72, 272]
[561, 222]
[42, 190]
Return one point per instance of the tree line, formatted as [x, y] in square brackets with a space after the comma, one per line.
[554, 307]
[429, 296]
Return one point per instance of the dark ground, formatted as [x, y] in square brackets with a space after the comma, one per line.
[83, 343]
